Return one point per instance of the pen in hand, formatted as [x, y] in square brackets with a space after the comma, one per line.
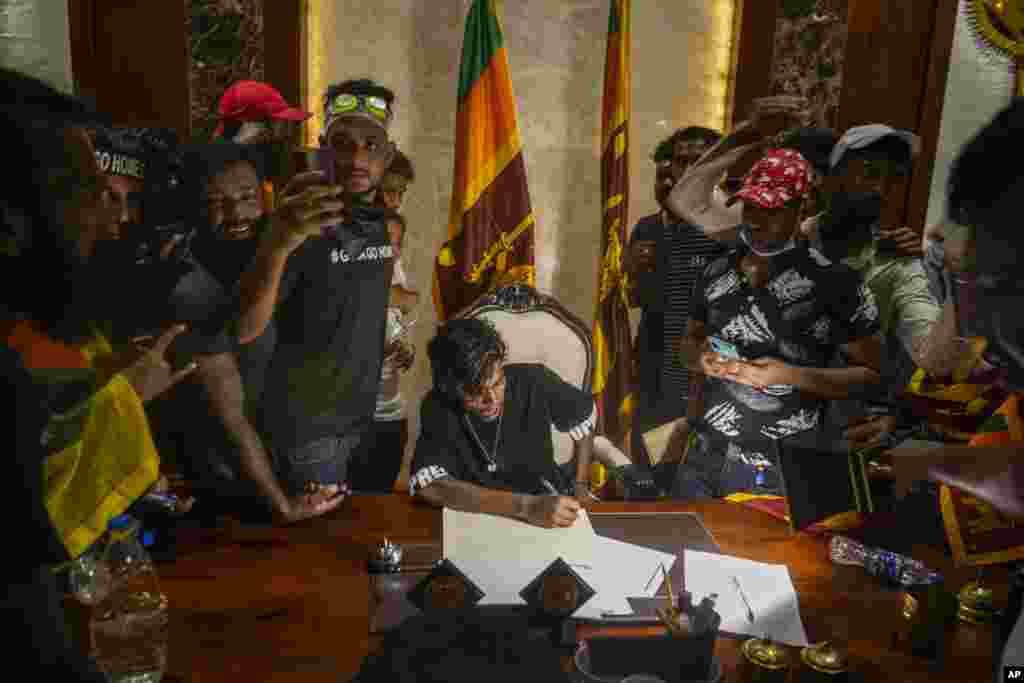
[743, 597]
[549, 487]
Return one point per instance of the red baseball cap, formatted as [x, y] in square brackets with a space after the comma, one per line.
[255, 101]
[781, 176]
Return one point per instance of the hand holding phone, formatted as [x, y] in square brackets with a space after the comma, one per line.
[724, 349]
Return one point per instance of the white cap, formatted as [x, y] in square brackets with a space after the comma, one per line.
[860, 137]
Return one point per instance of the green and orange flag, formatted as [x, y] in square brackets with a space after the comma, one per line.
[490, 227]
[612, 381]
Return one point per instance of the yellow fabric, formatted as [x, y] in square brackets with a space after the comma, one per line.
[113, 464]
[963, 392]
[978, 533]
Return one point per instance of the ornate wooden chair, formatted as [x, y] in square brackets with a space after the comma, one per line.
[538, 329]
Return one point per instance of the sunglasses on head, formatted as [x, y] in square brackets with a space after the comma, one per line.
[347, 103]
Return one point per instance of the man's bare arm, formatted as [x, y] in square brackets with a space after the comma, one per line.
[545, 511]
[942, 352]
[220, 377]
[307, 207]
[693, 197]
[466, 497]
[865, 357]
[258, 290]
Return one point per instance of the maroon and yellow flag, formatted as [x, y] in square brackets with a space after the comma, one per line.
[490, 228]
[612, 348]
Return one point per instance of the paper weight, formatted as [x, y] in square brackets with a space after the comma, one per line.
[558, 591]
[824, 662]
[445, 587]
[976, 604]
[764, 661]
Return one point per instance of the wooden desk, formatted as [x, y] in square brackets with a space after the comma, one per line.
[267, 604]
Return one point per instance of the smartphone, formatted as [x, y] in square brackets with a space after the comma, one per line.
[325, 160]
[724, 348]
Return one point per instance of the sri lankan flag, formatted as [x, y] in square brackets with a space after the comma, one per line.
[490, 228]
[612, 349]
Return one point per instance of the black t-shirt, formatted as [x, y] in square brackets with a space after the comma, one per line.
[808, 308]
[682, 252]
[325, 370]
[225, 262]
[451, 444]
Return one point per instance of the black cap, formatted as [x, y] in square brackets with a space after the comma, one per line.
[814, 144]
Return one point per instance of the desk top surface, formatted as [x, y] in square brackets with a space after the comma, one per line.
[290, 604]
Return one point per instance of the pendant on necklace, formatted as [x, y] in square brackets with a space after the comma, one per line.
[492, 467]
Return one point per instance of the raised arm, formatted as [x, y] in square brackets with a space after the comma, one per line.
[695, 199]
[307, 208]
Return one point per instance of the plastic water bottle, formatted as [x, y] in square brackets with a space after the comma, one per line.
[898, 569]
[89, 578]
[128, 629]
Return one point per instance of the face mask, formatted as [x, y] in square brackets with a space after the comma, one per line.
[764, 248]
[846, 230]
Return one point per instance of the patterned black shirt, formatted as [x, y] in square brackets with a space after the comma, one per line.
[808, 308]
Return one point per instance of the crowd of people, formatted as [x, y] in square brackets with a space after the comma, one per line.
[204, 306]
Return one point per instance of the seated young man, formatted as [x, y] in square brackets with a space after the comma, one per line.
[775, 310]
[485, 431]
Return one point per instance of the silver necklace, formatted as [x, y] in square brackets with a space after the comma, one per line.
[491, 458]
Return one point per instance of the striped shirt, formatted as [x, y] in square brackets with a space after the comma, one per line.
[683, 251]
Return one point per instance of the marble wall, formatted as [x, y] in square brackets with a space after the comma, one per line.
[225, 41]
[980, 83]
[809, 55]
[556, 51]
[34, 38]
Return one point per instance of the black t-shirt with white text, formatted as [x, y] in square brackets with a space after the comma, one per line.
[325, 370]
[451, 443]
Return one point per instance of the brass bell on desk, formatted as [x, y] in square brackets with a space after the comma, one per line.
[824, 662]
[764, 661]
[976, 604]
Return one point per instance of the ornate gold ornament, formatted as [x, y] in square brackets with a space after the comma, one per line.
[999, 25]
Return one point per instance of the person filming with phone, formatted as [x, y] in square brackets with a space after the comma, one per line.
[322, 271]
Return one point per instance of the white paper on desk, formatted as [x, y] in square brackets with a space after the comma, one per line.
[502, 556]
[618, 571]
[768, 587]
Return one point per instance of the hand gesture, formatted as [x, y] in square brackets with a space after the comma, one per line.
[552, 511]
[308, 207]
[715, 365]
[318, 500]
[151, 374]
